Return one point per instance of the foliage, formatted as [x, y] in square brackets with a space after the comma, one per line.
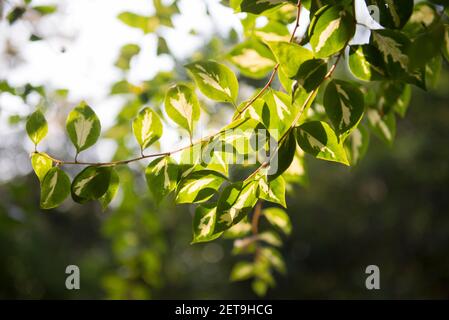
[329, 119]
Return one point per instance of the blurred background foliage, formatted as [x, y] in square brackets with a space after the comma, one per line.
[391, 210]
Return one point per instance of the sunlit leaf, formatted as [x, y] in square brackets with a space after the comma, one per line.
[333, 29]
[147, 128]
[199, 186]
[278, 218]
[161, 175]
[144, 23]
[83, 127]
[36, 126]
[272, 191]
[252, 58]
[182, 106]
[127, 52]
[318, 139]
[204, 223]
[54, 188]
[242, 271]
[41, 164]
[215, 80]
[235, 202]
[290, 56]
[357, 144]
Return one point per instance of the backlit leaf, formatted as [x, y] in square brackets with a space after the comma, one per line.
[333, 29]
[252, 58]
[36, 126]
[278, 218]
[182, 106]
[147, 128]
[318, 139]
[215, 80]
[91, 183]
[41, 165]
[357, 144]
[83, 127]
[54, 188]
[198, 186]
[161, 175]
[114, 184]
[204, 223]
[235, 202]
[344, 104]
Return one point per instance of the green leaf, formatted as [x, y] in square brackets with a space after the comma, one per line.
[272, 191]
[215, 80]
[278, 218]
[282, 160]
[242, 271]
[393, 47]
[318, 139]
[91, 183]
[393, 96]
[182, 106]
[15, 14]
[127, 52]
[332, 31]
[344, 104]
[239, 230]
[273, 31]
[366, 63]
[252, 58]
[259, 6]
[203, 223]
[274, 257]
[274, 111]
[235, 202]
[162, 47]
[114, 184]
[198, 186]
[357, 144]
[41, 164]
[394, 14]
[83, 127]
[426, 46]
[433, 71]
[290, 56]
[270, 237]
[311, 74]
[54, 188]
[144, 23]
[36, 126]
[259, 287]
[162, 175]
[384, 126]
[147, 128]
[445, 45]
[297, 172]
[424, 16]
[45, 10]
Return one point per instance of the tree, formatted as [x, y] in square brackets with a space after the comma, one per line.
[240, 174]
